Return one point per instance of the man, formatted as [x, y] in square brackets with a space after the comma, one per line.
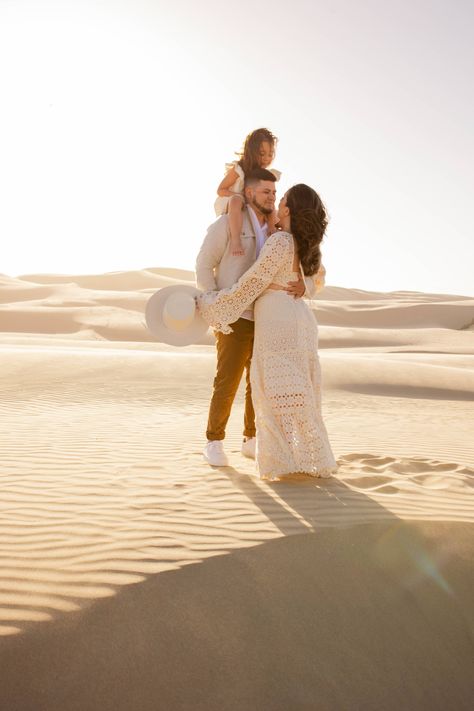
[216, 268]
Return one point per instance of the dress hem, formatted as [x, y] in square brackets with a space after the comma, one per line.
[325, 473]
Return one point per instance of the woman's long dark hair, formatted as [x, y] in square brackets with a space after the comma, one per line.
[250, 154]
[308, 225]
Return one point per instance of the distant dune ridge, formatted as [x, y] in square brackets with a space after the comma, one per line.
[111, 306]
[133, 575]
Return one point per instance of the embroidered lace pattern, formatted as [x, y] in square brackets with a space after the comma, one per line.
[285, 370]
[221, 308]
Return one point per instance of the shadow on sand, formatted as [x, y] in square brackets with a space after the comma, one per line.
[372, 616]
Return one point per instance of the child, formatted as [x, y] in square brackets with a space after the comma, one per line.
[258, 152]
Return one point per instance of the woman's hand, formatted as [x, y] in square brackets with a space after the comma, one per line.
[296, 288]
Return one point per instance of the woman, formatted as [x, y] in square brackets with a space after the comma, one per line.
[285, 372]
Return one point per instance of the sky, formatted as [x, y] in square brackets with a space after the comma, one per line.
[118, 116]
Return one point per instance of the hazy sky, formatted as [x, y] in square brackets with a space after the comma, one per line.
[117, 118]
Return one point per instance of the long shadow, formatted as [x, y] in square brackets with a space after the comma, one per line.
[347, 618]
[303, 504]
[288, 522]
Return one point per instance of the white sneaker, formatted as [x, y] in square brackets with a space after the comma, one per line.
[248, 447]
[214, 453]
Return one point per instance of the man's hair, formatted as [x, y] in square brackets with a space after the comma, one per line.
[256, 175]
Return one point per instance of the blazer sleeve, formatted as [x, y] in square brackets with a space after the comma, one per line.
[210, 255]
[221, 308]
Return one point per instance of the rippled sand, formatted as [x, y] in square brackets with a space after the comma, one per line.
[105, 494]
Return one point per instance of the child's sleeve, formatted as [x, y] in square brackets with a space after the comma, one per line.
[315, 284]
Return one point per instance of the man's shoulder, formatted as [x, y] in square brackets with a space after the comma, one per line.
[218, 231]
[219, 225]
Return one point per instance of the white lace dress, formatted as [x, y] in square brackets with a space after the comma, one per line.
[285, 371]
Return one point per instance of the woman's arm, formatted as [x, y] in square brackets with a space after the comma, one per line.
[223, 307]
[229, 179]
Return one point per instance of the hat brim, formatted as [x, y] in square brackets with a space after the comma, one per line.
[194, 333]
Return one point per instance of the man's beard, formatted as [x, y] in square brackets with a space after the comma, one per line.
[263, 210]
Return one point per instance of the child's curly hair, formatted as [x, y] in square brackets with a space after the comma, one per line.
[249, 155]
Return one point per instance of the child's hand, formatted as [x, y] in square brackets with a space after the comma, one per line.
[236, 248]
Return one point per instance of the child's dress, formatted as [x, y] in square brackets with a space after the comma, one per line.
[220, 205]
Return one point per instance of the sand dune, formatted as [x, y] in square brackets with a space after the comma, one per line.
[118, 543]
[111, 306]
[122, 281]
[404, 375]
[384, 340]
[391, 314]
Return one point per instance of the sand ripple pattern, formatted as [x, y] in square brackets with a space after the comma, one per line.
[103, 483]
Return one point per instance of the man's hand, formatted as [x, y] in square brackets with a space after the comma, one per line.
[296, 288]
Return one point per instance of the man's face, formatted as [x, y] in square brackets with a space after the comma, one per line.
[262, 196]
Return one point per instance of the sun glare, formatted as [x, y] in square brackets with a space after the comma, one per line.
[118, 119]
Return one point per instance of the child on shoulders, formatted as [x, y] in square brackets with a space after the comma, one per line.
[258, 152]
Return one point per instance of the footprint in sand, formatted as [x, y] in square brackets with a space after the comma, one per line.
[389, 475]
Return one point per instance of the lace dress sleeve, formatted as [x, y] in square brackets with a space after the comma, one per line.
[220, 308]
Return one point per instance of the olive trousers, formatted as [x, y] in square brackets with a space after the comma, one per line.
[234, 353]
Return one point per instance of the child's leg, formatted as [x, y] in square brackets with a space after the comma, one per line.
[235, 208]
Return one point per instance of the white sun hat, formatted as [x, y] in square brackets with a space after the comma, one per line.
[172, 317]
